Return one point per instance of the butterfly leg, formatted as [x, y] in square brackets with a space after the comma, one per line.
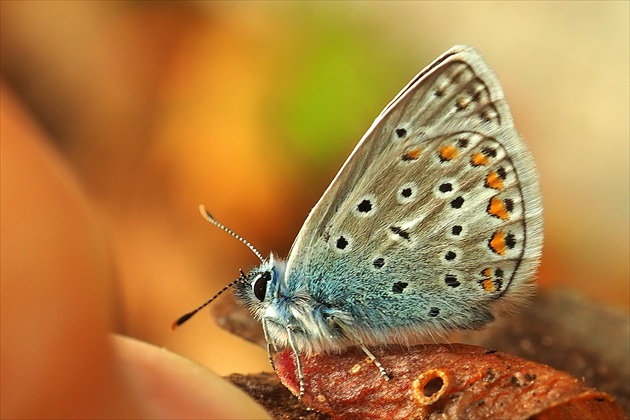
[333, 321]
[298, 363]
[374, 360]
[270, 344]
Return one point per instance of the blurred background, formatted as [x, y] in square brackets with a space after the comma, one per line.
[251, 108]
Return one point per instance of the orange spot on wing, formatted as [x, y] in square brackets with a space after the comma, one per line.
[497, 208]
[494, 180]
[486, 272]
[479, 159]
[462, 103]
[497, 242]
[488, 285]
[412, 154]
[448, 152]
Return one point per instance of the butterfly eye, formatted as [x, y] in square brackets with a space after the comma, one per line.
[259, 286]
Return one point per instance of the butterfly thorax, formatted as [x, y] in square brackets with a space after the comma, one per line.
[313, 326]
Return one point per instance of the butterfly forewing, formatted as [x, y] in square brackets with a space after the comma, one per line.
[435, 214]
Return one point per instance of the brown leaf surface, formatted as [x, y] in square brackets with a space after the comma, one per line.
[442, 381]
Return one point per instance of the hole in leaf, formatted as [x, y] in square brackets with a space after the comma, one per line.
[433, 386]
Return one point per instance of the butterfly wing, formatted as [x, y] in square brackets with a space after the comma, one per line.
[436, 216]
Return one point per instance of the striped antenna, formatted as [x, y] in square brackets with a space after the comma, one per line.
[221, 226]
[190, 314]
[243, 277]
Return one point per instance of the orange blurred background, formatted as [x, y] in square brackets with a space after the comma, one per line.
[251, 108]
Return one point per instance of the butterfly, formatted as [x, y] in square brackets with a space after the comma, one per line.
[433, 224]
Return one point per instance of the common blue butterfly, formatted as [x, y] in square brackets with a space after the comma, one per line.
[433, 224]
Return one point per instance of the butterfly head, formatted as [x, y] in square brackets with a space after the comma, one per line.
[258, 289]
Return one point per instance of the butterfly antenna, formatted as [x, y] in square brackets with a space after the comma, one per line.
[190, 314]
[221, 226]
[242, 277]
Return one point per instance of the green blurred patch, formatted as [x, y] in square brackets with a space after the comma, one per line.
[341, 77]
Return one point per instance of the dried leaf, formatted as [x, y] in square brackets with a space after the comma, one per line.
[441, 381]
